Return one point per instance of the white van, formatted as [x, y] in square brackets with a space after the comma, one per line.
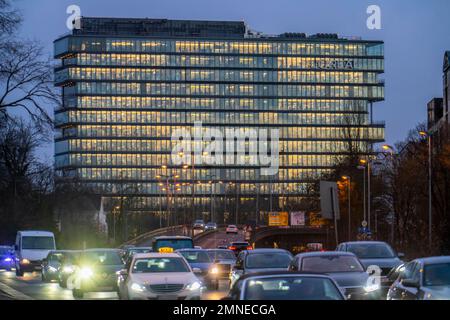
[30, 248]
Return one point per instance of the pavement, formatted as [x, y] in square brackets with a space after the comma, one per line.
[30, 286]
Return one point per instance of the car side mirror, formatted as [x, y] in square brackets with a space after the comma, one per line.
[410, 283]
[123, 272]
[401, 255]
[197, 270]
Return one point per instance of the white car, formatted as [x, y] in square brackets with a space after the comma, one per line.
[231, 229]
[159, 276]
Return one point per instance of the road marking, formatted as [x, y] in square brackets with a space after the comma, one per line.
[13, 293]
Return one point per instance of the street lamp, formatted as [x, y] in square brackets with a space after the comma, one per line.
[391, 151]
[430, 209]
[362, 167]
[348, 180]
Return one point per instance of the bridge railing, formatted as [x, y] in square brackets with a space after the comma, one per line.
[173, 230]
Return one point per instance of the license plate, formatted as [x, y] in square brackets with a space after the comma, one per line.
[167, 297]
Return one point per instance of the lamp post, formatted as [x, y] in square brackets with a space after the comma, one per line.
[390, 149]
[430, 208]
[167, 189]
[363, 167]
[348, 180]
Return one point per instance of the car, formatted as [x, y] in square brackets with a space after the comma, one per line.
[96, 271]
[198, 224]
[343, 267]
[231, 228]
[163, 276]
[172, 242]
[423, 279]
[67, 268]
[260, 260]
[201, 260]
[6, 258]
[211, 226]
[129, 252]
[371, 253]
[238, 246]
[223, 262]
[285, 285]
[51, 265]
[31, 248]
[222, 246]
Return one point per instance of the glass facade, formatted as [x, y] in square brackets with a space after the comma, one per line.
[124, 96]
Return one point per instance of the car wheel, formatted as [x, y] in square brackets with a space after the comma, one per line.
[78, 293]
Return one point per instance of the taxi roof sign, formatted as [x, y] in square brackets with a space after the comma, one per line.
[165, 250]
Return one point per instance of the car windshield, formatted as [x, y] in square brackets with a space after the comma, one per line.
[139, 250]
[106, 258]
[173, 243]
[371, 250]
[196, 256]
[436, 275]
[331, 263]
[240, 244]
[292, 288]
[268, 260]
[148, 265]
[38, 243]
[221, 255]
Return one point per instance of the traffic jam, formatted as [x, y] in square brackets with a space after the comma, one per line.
[176, 268]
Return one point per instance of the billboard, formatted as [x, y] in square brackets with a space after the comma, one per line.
[297, 218]
[278, 219]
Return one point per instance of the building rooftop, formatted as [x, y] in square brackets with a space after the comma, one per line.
[187, 28]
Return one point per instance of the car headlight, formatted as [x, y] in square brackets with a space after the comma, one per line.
[25, 261]
[68, 269]
[214, 270]
[86, 273]
[8, 259]
[371, 288]
[137, 287]
[194, 286]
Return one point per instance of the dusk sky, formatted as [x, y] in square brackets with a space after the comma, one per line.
[415, 32]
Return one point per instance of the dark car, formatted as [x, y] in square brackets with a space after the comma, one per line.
[129, 252]
[211, 226]
[285, 285]
[96, 271]
[423, 279]
[376, 253]
[200, 259]
[223, 261]
[343, 267]
[239, 246]
[198, 224]
[172, 242]
[6, 257]
[260, 260]
[68, 266]
[51, 265]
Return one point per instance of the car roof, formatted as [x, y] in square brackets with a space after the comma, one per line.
[36, 233]
[364, 242]
[325, 253]
[134, 248]
[172, 237]
[190, 249]
[220, 249]
[283, 273]
[156, 255]
[434, 260]
[266, 250]
[101, 249]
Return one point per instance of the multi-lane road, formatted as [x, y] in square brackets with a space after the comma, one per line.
[30, 286]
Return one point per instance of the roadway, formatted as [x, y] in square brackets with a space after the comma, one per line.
[30, 286]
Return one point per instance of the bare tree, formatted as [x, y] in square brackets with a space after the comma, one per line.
[9, 20]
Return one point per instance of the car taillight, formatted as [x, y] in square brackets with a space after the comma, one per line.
[232, 248]
[249, 248]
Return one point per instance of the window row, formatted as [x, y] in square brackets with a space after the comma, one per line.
[373, 133]
[245, 62]
[276, 46]
[215, 103]
[170, 75]
[261, 118]
[121, 88]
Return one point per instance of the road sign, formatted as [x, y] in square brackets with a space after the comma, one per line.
[278, 219]
[329, 202]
